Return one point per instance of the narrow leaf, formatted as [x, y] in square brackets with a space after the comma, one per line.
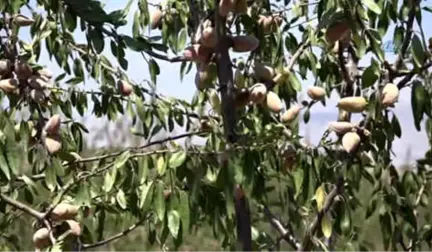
[173, 222]
[326, 226]
[177, 159]
[372, 6]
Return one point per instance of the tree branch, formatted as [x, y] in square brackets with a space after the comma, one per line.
[296, 55]
[116, 236]
[305, 246]
[22, 207]
[410, 75]
[115, 154]
[286, 234]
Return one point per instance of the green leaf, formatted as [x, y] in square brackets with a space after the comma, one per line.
[154, 70]
[295, 83]
[122, 159]
[177, 159]
[77, 68]
[161, 165]
[427, 8]
[320, 195]
[50, 178]
[145, 189]
[345, 222]
[182, 39]
[396, 126]
[372, 6]
[137, 44]
[418, 99]
[173, 222]
[97, 40]
[160, 201]
[4, 166]
[121, 199]
[417, 51]
[326, 226]
[184, 211]
[136, 25]
[369, 77]
[298, 181]
[109, 180]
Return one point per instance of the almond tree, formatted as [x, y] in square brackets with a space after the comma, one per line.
[250, 59]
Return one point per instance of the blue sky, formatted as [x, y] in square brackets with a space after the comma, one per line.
[168, 83]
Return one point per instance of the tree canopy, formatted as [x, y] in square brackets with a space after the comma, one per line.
[252, 182]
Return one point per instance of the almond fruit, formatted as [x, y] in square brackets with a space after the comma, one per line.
[263, 72]
[266, 23]
[341, 127]
[9, 85]
[353, 104]
[74, 227]
[316, 93]
[225, 6]
[197, 53]
[337, 31]
[245, 43]
[257, 93]
[350, 141]
[41, 238]
[291, 114]
[45, 72]
[390, 94]
[274, 103]
[208, 37]
[156, 18]
[37, 82]
[241, 6]
[203, 77]
[37, 95]
[242, 98]
[22, 20]
[53, 143]
[64, 211]
[22, 70]
[53, 125]
[125, 87]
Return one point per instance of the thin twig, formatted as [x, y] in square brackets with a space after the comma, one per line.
[338, 188]
[296, 55]
[286, 234]
[410, 75]
[22, 207]
[116, 236]
[115, 154]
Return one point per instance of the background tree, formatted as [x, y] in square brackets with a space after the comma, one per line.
[253, 182]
